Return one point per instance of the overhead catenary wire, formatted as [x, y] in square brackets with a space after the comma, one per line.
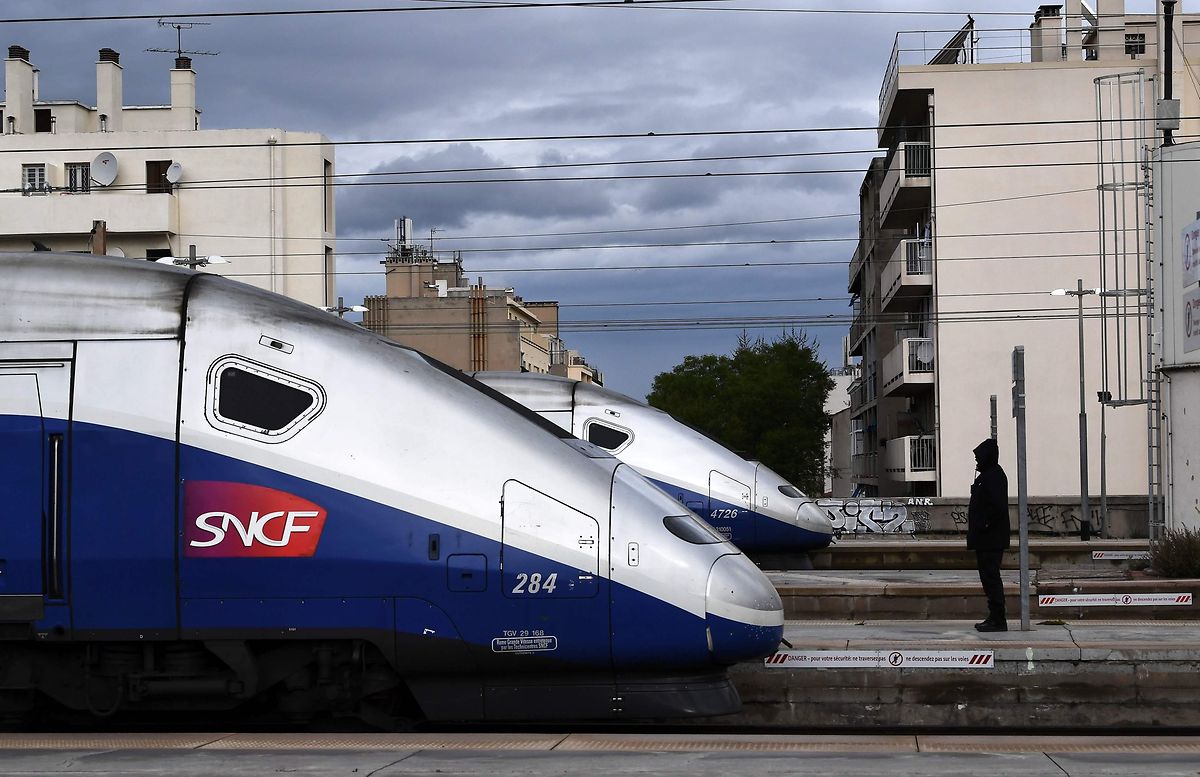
[646, 135]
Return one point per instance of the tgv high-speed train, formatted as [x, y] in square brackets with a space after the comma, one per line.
[744, 501]
[213, 494]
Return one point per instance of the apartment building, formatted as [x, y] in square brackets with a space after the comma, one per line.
[261, 198]
[985, 201]
[431, 305]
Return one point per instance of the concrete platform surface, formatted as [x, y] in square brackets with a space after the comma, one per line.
[1116, 676]
[918, 551]
[956, 593]
[704, 755]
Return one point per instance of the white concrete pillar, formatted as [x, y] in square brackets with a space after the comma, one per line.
[1073, 17]
[183, 95]
[1110, 38]
[18, 91]
[110, 97]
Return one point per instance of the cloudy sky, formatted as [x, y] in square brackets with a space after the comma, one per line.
[467, 75]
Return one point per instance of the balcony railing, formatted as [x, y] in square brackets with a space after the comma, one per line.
[912, 458]
[865, 465]
[911, 268]
[863, 391]
[909, 365]
[910, 166]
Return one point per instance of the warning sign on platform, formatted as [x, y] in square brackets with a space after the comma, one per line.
[1116, 555]
[880, 659]
[1114, 600]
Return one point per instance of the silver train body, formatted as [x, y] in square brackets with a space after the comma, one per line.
[217, 496]
[744, 501]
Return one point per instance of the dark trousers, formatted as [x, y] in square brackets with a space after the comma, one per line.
[988, 562]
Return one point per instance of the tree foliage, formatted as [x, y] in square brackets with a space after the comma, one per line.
[766, 401]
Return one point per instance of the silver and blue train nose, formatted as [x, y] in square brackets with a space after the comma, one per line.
[743, 612]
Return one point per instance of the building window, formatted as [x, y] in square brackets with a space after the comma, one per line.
[156, 177]
[154, 254]
[79, 177]
[42, 120]
[327, 187]
[1135, 43]
[33, 178]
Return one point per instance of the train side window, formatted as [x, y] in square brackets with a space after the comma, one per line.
[792, 491]
[610, 438]
[253, 400]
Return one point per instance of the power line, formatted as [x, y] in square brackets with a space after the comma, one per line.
[453, 5]
[592, 136]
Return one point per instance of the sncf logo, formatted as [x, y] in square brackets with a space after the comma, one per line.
[240, 520]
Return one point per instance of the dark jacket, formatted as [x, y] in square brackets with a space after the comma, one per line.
[987, 516]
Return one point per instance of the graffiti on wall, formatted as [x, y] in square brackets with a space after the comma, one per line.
[877, 516]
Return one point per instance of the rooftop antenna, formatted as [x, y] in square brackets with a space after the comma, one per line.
[179, 50]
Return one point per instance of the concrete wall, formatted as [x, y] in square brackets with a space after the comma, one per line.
[1048, 516]
[977, 328]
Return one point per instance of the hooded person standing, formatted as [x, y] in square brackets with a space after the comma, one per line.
[988, 530]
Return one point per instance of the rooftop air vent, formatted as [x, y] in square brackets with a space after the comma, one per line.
[18, 52]
[109, 55]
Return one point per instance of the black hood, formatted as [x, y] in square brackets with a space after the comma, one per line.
[987, 454]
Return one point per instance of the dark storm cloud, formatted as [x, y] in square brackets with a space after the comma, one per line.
[371, 204]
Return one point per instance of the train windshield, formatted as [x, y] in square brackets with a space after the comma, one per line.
[691, 529]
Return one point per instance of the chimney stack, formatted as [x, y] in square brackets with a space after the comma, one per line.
[109, 89]
[1045, 35]
[18, 90]
[183, 95]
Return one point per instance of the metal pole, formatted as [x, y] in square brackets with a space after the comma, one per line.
[1018, 403]
[1085, 513]
[993, 402]
[1104, 530]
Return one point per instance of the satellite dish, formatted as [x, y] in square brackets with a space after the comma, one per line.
[116, 251]
[174, 172]
[104, 168]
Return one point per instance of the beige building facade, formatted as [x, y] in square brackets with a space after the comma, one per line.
[430, 304]
[261, 198]
[984, 202]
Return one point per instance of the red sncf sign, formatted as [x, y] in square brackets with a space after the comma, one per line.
[234, 520]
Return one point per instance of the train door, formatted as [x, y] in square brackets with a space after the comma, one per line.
[550, 578]
[729, 508]
[35, 394]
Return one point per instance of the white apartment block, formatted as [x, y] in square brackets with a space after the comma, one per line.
[262, 198]
[985, 201]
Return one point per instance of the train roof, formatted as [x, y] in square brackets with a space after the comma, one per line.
[52, 296]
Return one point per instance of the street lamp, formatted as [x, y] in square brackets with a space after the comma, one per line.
[342, 308]
[1085, 520]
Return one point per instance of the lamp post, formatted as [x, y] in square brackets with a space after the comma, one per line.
[1085, 519]
[342, 308]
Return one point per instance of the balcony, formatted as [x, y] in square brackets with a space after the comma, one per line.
[62, 213]
[864, 322]
[857, 263]
[864, 465]
[862, 392]
[908, 275]
[908, 368]
[912, 459]
[906, 183]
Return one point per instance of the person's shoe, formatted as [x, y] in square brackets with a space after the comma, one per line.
[982, 623]
[990, 625]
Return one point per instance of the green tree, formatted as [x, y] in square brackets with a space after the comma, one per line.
[766, 401]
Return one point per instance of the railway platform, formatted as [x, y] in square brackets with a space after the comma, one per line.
[1116, 676]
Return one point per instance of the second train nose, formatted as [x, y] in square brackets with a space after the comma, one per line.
[743, 611]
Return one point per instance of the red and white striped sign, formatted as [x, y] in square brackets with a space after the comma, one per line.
[1119, 555]
[881, 659]
[1115, 600]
